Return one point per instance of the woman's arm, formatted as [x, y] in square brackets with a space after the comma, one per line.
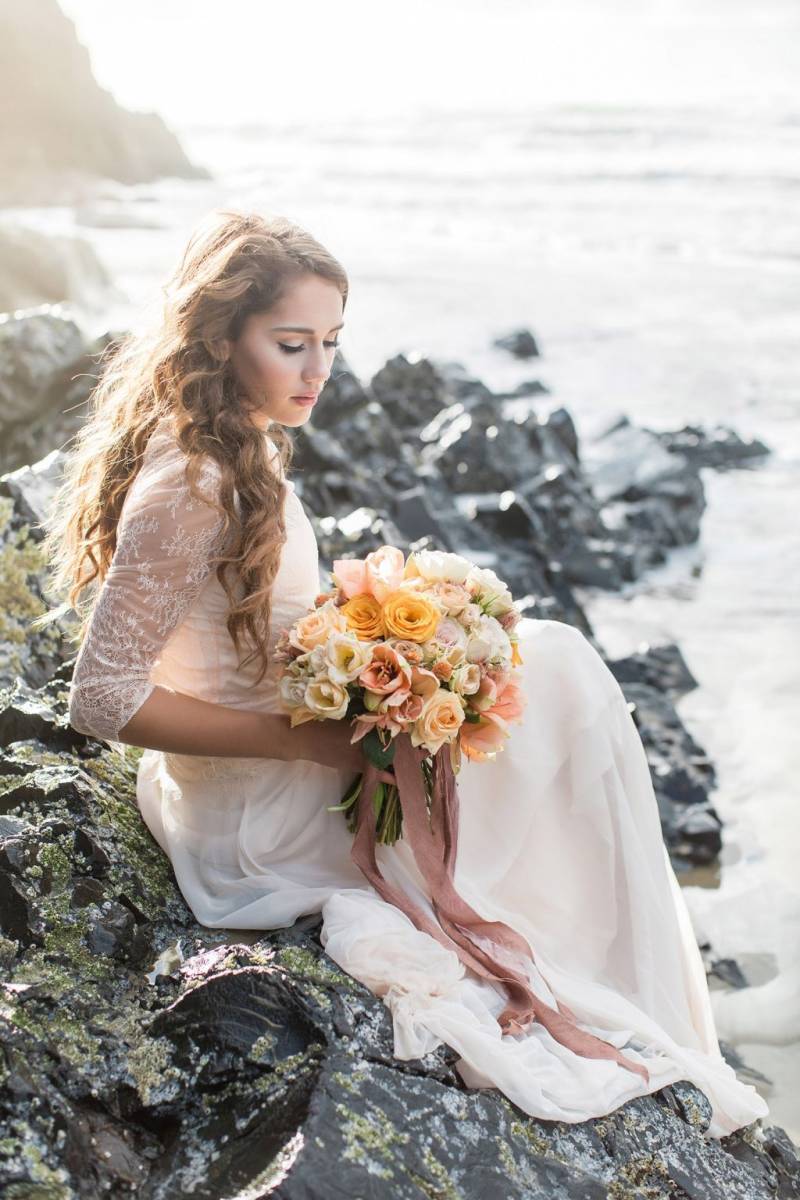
[182, 724]
[165, 542]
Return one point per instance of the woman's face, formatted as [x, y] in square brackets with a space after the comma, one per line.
[288, 352]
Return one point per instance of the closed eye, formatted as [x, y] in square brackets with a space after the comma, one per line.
[297, 349]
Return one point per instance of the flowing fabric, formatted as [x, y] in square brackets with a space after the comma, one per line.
[559, 838]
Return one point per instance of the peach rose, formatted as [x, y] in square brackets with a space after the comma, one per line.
[350, 575]
[423, 682]
[406, 614]
[384, 571]
[453, 597]
[439, 721]
[364, 617]
[315, 628]
[482, 739]
[510, 703]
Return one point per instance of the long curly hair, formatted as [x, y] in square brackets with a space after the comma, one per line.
[234, 265]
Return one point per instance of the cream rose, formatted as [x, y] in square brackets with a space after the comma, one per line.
[293, 690]
[325, 698]
[466, 679]
[439, 721]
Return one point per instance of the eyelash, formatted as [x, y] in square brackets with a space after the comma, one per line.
[296, 349]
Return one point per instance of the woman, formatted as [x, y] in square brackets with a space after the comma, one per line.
[186, 551]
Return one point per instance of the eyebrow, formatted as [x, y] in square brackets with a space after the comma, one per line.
[302, 328]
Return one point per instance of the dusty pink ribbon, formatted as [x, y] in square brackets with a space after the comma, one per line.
[434, 845]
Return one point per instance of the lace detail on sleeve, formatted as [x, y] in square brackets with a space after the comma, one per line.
[165, 540]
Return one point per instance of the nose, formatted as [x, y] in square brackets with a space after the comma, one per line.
[315, 372]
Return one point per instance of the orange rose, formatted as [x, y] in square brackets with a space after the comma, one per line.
[364, 617]
[409, 615]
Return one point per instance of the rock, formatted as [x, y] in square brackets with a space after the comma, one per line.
[66, 129]
[720, 447]
[36, 352]
[662, 667]
[520, 342]
[33, 655]
[682, 775]
[250, 1063]
[43, 268]
[48, 372]
[144, 1053]
[647, 492]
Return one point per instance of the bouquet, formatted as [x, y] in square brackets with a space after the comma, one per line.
[423, 649]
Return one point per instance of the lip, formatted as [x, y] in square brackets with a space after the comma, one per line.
[310, 398]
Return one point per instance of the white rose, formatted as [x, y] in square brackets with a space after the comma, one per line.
[441, 566]
[488, 641]
[346, 656]
[492, 591]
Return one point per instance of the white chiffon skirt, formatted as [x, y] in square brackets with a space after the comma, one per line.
[559, 837]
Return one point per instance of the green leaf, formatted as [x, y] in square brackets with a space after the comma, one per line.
[472, 717]
[376, 753]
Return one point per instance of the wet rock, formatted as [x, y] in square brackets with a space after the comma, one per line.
[520, 342]
[683, 777]
[719, 447]
[663, 495]
[662, 667]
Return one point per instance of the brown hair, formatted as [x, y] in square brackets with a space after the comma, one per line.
[234, 265]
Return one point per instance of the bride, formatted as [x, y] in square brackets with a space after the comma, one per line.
[185, 550]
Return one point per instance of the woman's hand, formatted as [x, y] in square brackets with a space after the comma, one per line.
[328, 743]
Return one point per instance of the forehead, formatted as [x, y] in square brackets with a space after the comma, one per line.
[310, 302]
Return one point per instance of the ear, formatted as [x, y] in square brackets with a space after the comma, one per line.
[220, 349]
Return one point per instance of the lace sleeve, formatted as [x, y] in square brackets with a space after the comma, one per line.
[165, 540]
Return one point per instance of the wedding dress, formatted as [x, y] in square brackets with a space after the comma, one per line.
[559, 836]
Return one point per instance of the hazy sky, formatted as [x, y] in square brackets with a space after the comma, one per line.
[199, 61]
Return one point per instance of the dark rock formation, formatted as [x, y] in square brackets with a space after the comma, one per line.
[143, 1054]
[47, 372]
[719, 447]
[65, 129]
[520, 342]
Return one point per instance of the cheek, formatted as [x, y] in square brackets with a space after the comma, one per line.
[263, 362]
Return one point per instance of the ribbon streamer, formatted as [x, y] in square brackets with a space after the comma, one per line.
[434, 844]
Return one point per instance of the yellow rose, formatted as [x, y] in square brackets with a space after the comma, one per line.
[364, 616]
[315, 628]
[411, 616]
[439, 721]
